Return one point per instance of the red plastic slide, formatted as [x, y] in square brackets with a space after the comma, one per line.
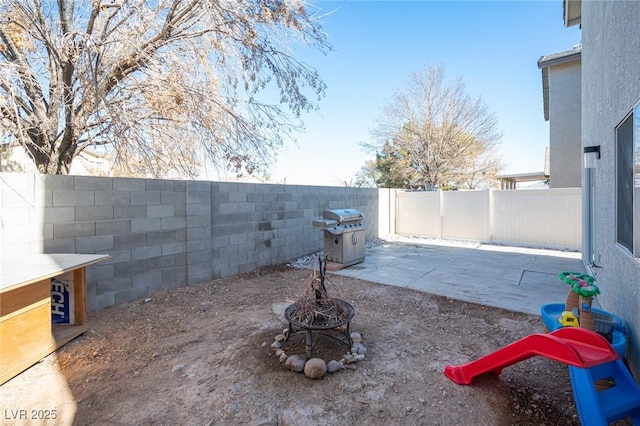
[570, 345]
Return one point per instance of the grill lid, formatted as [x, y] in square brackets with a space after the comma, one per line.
[343, 215]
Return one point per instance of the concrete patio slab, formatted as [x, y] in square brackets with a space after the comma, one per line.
[512, 278]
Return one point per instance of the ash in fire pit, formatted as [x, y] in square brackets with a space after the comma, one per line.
[319, 313]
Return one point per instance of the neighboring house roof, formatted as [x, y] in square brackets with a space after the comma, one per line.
[572, 12]
[547, 61]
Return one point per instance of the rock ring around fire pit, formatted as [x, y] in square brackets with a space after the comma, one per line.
[329, 328]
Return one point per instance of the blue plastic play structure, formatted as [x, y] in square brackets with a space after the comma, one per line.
[609, 405]
[590, 358]
[552, 312]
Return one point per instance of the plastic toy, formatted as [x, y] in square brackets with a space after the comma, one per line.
[581, 291]
[590, 358]
[568, 319]
[551, 313]
[572, 345]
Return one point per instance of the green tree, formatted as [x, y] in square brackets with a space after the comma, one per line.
[157, 82]
[432, 134]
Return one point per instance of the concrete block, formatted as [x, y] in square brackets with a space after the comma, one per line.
[198, 245]
[176, 276]
[117, 255]
[228, 187]
[94, 244]
[128, 184]
[247, 247]
[172, 197]
[147, 279]
[200, 272]
[146, 224]
[146, 252]
[180, 186]
[130, 212]
[113, 285]
[112, 198]
[130, 240]
[113, 227]
[58, 182]
[161, 262]
[64, 198]
[160, 237]
[246, 208]
[161, 286]
[94, 213]
[220, 241]
[193, 186]
[64, 231]
[100, 301]
[247, 267]
[194, 257]
[129, 295]
[130, 268]
[159, 185]
[290, 205]
[203, 232]
[228, 208]
[180, 234]
[92, 183]
[59, 246]
[59, 214]
[180, 210]
[199, 210]
[100, 272]
[174, 248]
[237, 239]
[162, 210]
[237, 197]
[253, 197]
[228, 251]
[200, 197]
[226, 272]
[145, 197]
[173, 223]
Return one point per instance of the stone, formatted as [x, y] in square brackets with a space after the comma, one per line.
[279, 352]
[356, 337]
[315, 368]
[283, 357]
[334, 366]
[295, 363]
[358, 349]
[280, 337]
[348, 359]
[177, 368]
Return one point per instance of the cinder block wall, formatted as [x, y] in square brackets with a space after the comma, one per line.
[163, 233]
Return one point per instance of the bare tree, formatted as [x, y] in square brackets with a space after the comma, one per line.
[432, 134]
[158, 82]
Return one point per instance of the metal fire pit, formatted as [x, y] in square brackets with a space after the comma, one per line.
[344, 235]
[324, 329]
[329, 329]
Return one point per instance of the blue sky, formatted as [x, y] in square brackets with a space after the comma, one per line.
[492, 46]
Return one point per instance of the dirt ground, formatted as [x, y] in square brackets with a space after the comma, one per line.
[202, 355]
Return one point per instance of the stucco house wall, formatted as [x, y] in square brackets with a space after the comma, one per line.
[610, 89]
[561, 84]
[564, 125]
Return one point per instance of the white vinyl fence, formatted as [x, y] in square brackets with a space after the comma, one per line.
[547, 218]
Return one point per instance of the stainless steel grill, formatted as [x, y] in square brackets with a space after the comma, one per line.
[344, 235]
